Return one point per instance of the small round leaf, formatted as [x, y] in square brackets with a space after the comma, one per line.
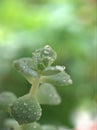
[47, 94]
[26, 109]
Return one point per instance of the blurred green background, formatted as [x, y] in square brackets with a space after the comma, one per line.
[69, 26]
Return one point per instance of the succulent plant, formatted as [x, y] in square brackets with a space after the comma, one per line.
[43, 77]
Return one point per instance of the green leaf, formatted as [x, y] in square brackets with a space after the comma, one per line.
[32, 67]
[47, 94]
[44, 57]
[11, 124]
[26, 67]
[26, 109]
[32, 126]
[49, 127]
[59, 79]
[6, 99]
[52, 70]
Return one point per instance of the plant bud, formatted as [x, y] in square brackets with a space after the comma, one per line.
[44, 57]
[26, 109]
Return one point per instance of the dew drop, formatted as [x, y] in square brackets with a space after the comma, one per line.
[61, 68]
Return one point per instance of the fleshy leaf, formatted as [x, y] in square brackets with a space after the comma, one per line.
[52, 70]
[44, 57]
[26, 67]
[11, 124]
[26, 109]
[59, 79]
[6, 99]
[47, 94]
[32, 126]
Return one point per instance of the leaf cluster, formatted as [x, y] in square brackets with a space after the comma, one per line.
[43, 77]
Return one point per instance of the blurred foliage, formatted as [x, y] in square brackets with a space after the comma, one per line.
[69, 26]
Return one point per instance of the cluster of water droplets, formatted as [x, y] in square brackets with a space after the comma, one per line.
[43, 57]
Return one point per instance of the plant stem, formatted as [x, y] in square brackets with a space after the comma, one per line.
[34, 86]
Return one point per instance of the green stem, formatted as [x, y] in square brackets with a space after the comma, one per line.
[34, 87]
